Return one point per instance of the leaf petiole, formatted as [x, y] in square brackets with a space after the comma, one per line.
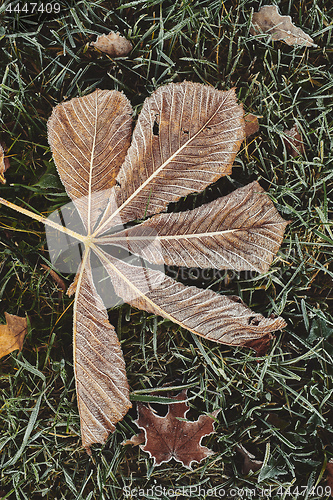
[44, 220]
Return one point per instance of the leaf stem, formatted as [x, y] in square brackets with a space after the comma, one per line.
[44, 220]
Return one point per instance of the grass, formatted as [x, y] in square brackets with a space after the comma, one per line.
[279, 406]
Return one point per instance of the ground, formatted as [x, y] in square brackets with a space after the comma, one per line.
[277, 406]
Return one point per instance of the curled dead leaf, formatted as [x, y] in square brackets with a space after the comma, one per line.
[251, 124]
[294, 142]
[12, 334]
[113, 44]
[268, 20]
[250, 463]
[56, 278]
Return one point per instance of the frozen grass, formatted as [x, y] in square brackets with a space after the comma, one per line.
[279, 407]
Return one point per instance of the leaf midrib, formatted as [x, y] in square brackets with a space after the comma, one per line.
[181, 235]
[91, 166]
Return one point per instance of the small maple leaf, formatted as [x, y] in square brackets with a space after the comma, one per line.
[171, 437]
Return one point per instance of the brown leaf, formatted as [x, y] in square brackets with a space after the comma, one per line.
[101, 383]
[294, 142]
[113, 44]
[12, 334]
[186, 137]
[250, 463]
[56, 278]
[221, 318]
[329, 477]
[268, 20]
[260, 345]
[4, 164]
[136, 439]
[251, 124]
[89, 137]
[241, 231]
[170, 437]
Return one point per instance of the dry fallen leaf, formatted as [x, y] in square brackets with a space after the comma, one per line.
[186, 137]
[250, 463]
[268, 20]
[329, 477]
[293, 141]
[56, 278]
[251, 124]
[261, 345]
[171, 437]
[208, 236]
[136, 439]
[12, 334]
[4, 165]
[113, 44]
